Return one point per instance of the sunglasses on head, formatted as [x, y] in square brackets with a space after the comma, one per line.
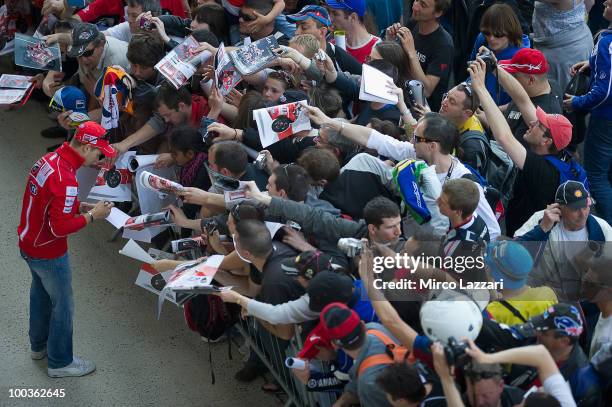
[494, 34]
[467, 88]
[246, 17]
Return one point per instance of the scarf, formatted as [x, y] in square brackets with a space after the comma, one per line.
[190, 171]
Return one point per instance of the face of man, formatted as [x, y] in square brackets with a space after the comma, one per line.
[574, 219]
[90, 59]
[485, 392]
[424, 149]
[535, 135]
[175, 117]
[91, 155]
[141, 72]
[424, 10]
[444, 206]
[388, 231]
[132, 14]
[550, 342]
[452, 106]
[340, 21]
[271, 187]
[309, 26]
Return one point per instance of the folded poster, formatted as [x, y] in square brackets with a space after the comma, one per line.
[374, 86]
[148, 220]
[139, 161]
[279, 122]
[114, 182]
[255, 56]
[226, 74]
[159, 184]
[179, 65]
[33, 53]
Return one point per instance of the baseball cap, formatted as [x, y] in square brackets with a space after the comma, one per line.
[560, 128]
[563, 318]
[526, 60]
[316, 12]
[341, 323]
[327, 287]
[509, 261]
[94, 134]
[69, 98]
[307, 264]
[356, 6]
[574, 195]
[82, 35]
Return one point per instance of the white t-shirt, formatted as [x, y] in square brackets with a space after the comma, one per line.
[602, 334]
[572, 242]
[120, 31]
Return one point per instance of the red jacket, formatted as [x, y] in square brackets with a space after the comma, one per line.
[50, 210]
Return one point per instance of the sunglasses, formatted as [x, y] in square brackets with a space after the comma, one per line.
[494, 34]
[246, 17]
[88, 53]
[419, 139]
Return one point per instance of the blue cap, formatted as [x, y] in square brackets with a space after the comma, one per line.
[509, 261]
[317, 12]
[69, 98]
[356, 6]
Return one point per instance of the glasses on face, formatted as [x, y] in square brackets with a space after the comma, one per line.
[88, 53]
[536, 123]
[487, 33]
[419, 139]
[246, 17]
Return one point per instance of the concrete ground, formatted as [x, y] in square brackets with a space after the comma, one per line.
[141, 361]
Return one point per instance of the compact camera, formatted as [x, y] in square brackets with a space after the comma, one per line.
[350, 246]
[260, 161]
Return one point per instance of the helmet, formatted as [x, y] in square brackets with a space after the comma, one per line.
[451, 315]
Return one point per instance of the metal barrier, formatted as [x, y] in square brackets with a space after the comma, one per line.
[272, 352]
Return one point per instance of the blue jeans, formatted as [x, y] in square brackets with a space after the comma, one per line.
[51, 309]
[598, 164]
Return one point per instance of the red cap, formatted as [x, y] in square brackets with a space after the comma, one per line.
[526, 60]
[560, 128]
[94, 134]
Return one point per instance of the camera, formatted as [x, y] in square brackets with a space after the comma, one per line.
[487, 56]
[207, 136]
[210, 225]
[350, 246]
[260, 161]
[146, 24]
[294, 225]
[182, 245]
[455, 352]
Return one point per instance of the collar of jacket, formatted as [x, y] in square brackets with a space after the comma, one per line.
[594, 230]
[70, 154]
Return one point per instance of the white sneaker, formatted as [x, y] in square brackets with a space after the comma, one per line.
[78, 367]
[39, 355]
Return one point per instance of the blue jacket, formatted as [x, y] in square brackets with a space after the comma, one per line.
[599, 100]
[490, 79]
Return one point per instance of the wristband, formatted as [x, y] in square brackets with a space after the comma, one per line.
[90, 216]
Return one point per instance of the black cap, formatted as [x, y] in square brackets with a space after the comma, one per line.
[563, 318]
[307, 264]
[574, 195]
[82, 35]
[327, 287]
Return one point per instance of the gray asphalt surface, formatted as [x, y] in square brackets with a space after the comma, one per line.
[140, 361]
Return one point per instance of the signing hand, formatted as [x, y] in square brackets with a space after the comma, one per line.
[234, 97]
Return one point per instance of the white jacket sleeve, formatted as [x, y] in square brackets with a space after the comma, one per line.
[292, 312]
[530, 224]
[390, 147]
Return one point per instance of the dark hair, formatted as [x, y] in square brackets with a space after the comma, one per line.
[442, 6]
[145, 49]
[463, 195]
[281, 77]
[387, 127]
[560, 334]
[253, 236]
[500, 18]
[171, 97]
[247, 210]
[205, 35]
[367, 20]
[326, 98]
[213, 14]
[539, 399]
[185, 138]
[379, 208]
[471, 101]
[231, 156]
[442, 130]
[252, 100]
[147, 5]
[402, 381]
[393, 53]
[294, 180]
[262, 6]
[321, 164]
[385, 67]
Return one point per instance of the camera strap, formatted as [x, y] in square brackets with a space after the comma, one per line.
[513, 310]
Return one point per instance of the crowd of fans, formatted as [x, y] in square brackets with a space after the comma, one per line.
[510, 165]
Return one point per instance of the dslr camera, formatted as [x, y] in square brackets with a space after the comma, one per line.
[350, 246]
[210, 225]
[455, 352]
[487, 56]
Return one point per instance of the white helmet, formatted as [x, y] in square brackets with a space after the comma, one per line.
[451, 314]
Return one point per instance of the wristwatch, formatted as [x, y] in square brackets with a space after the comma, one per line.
[90, 216]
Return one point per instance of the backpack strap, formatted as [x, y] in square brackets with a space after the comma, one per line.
[513, 310]
[386, 358]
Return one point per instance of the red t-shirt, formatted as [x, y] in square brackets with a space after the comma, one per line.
[99, 8]
[361, 53]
